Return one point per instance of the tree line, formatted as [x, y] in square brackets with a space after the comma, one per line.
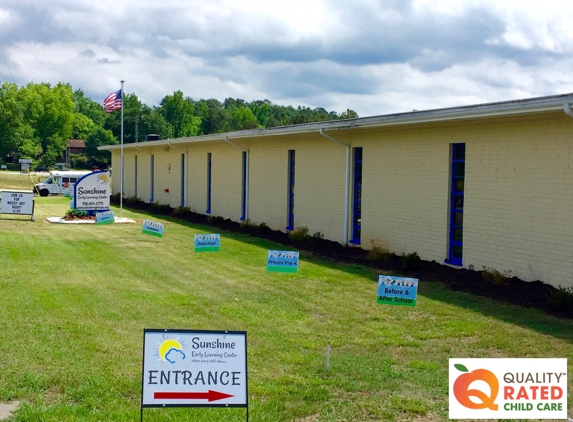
[37, 120]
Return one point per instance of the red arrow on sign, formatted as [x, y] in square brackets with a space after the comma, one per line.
[177, 395]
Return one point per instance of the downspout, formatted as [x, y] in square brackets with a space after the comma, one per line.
[346, 185]
[567, 109]
[186, 171]
[246, 175]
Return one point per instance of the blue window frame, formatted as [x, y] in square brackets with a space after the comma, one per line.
[208, 183]
[182, 180]
[244, 188]
[152, 181]
[357, 197]
[457, 177]
[291, 169]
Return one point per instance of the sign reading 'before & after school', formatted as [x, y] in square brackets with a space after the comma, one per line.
[207, 242]
[153, 228]
[397, 290]
[282, 261]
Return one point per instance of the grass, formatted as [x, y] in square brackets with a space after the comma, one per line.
[75, 300]
[15, 180]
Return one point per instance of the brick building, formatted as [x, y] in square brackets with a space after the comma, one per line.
[484, 185]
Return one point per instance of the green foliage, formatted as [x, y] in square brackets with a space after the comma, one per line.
[163, 209]
[263, 228]
[317, 235]
[378, 253]
[74, 213]
[299, 233]
[249, 224]
[80, 161]
[411, 261]
[98, 136]
[495, 276]
[561, 299]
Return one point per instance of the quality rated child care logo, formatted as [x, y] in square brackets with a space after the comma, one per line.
[508, 388]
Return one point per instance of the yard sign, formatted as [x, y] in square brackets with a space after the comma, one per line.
[282, 261]
[17, 202]
[188, 368]
[153, 228]
[105, 217]
[397, 290]
[207, 242]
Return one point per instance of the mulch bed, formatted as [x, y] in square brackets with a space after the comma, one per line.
[533, 294]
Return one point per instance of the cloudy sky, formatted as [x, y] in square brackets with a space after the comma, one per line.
[373, 56]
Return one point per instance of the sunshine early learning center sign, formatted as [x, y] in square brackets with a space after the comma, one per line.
[184, 368]
[92, 192]
[397, 290]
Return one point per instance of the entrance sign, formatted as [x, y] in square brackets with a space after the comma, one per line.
[207, 242]
[397, 290]
[105, 217]
[153, 228]
[18, 202]
[92, 192]
[186, 368]
[282, 261]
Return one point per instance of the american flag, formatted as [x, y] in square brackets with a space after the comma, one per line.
[112, 102]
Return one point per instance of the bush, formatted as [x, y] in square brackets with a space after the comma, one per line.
[411, 261]
[263, 228]
[249, 224]
[183, 213]
[299, 233]
[163, 209]
[561, 299]
[74, 213]
[495, 276]
[216, 220]
[317, 236]
[378, 253]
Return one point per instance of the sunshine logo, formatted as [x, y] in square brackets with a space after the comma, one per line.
[170, 350]
[102, 179]
[463, 393]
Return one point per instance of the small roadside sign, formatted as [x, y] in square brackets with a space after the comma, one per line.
[105, 217]
[187, 368]
[153, 228]
[207, 242]
[397, 290]
[17, 202]
[282, 261]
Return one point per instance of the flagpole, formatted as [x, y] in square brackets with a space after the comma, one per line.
[121, 162]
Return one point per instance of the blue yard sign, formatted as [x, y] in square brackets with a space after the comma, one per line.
[282, 261]
[207, 242]
[105, 217]
[397, 290]
[153, 228]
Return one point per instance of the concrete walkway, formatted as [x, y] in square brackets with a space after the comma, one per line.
[6, 409]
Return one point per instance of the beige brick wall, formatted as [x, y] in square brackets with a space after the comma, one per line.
[319, 183]
[518, 188]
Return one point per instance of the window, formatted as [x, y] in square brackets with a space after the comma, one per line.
[182, 180]
[291, 168]
[135, 184]
[244, 188]
[457, 176]
[357, 197]
[152, 181]
[208, 183]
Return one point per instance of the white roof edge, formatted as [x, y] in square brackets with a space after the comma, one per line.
[516, 107]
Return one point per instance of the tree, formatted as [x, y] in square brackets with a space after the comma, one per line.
[179, 112]
[96, 138]
[16, 135]
[213, 116]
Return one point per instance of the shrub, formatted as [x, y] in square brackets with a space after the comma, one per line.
[249, 224]
[561, 299]
[378, 253]
[299, 233]
[158, 208]
[263, 228]
[215, 220]
[495, 276]
[182, 212]
[411, 261]
[74, 213]
[317, 235]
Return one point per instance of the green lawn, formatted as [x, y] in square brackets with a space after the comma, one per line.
[74, 300]
[15, 180]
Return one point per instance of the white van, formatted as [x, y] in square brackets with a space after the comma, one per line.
[59, 183]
